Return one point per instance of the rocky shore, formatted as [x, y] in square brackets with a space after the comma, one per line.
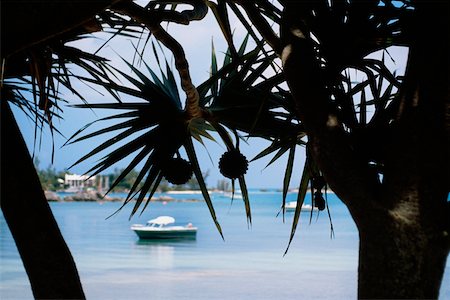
[52, 196]
[93, 196]
[89, 196]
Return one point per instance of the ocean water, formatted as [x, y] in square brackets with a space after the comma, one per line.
[249, 264]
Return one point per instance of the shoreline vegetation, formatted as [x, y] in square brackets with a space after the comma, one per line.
[58, 189]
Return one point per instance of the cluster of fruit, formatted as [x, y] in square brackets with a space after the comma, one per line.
[318, 183]
[233, 164]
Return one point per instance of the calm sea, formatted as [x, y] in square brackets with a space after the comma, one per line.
[249, 264]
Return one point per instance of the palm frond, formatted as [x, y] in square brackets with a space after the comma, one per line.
[189, 146]
[303, 187]
[246, 199]
[287, 176]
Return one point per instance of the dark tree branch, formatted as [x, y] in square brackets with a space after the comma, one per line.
[141, 15]
[31, 19]
[199, 11]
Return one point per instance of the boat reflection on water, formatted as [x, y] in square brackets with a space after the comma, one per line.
[163, 253]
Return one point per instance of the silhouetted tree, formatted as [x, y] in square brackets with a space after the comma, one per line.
[390, 168]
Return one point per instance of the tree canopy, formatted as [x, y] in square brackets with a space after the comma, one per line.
[246, 94]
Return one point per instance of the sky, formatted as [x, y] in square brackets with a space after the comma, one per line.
[196, 40]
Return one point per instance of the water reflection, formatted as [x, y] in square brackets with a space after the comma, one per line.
[163, 253]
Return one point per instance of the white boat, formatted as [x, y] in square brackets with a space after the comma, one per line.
[158, 229]
[237, 195]
[291, 206]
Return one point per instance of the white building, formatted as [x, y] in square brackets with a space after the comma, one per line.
[78, 182]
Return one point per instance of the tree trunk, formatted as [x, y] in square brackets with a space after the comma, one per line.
[403, 222]
[45, 255]
[398, 259]
[404, 240]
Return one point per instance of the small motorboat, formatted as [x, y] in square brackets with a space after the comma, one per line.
[158, 229]
[291, 206]
[233, 196]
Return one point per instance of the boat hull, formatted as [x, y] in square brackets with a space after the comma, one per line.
[157, 233]
[292, 206]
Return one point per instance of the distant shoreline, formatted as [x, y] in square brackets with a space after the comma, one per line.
[94, 196]
[97, 197]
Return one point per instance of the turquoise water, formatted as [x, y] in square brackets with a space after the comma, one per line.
[249, 264]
